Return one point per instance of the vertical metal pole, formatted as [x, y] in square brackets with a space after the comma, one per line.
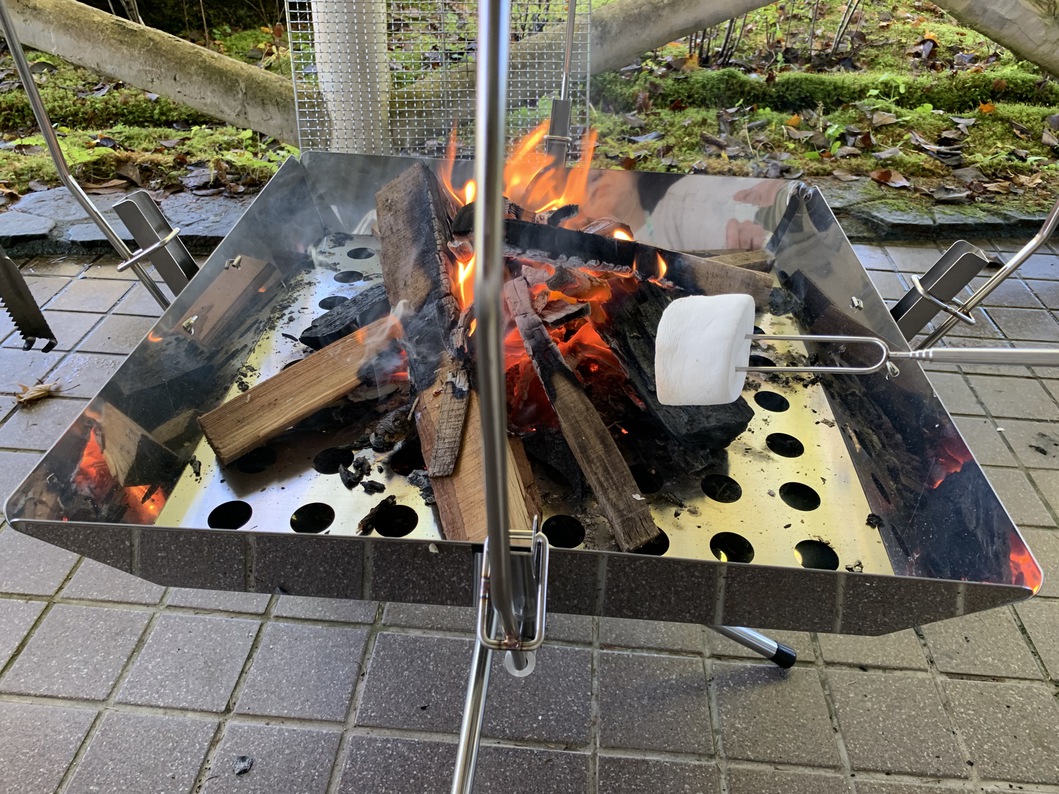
[558, 137]
[473, 715]
[494, 25]
[39, 112]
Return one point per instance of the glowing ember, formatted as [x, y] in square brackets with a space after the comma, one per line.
[1024, 569]
[465, 281]
[93, 477]
[621, 234]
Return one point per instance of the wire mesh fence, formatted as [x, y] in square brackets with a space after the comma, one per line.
[395, 76]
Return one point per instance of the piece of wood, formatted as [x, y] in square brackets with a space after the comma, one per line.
[452, 415]
[600, 460]
[249, 419]
[758, 260]
[365, 307]
[576, 283]
[414, 229]
[559, 247]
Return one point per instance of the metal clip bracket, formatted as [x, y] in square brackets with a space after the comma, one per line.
[539, 549]
[956, 309]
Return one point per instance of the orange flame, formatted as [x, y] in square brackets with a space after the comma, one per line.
[465, 281]
[1024, 569]
[621, 234]
[93, 475]
[662, 268]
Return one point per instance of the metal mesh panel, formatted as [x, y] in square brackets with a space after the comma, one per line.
[394, 76]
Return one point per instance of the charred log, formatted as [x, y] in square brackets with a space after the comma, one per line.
[363, 308]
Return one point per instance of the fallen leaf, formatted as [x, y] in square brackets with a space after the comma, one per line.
[847, 151]
[963, 122]
[1021, 130]
[986, 107]
[37, 391]
[797, 135]
[1048, 138]
[945, 194]
[1053, 121]
[968, 175]
[881, 118]
[631, 119]
[886, 154]
[650, 136]
[844, 176]
[793, 121]
[886, 176]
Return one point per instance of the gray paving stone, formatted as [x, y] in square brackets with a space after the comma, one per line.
[90, 233]
[621, 775]
[886, 787]
[286, 759]
[755, 780]
[985, 327]
[652, 702]
[955, 393]
[69, 328]
[1010, 729]
[1048, 482]
[139, 301]
[26, 367]
[189, 662]
[985, 441]
[333, 609]
[1019, 497]
[801, 642]
[14, 467]
[1012, 293]
[37, 744]
[16, 619]
[60, 205]
[39, 425]
[774, 715]
[1045, 547]
[303, 671]
[31, 567]
[118, 333]
[218, 600]
[94, 581]
[409, 766]
[76, 652]
[534, 707]
[415, 682]
[900, 650]
[20, 227]
[384, 765]
[873, 257]
[570, 628]
[1040, 617]
[84, 374]
[139, 752]
[913, 258]
[622, 633]
[1035, 443]
[429, 616]
[891, 286]
[44, 289]
[90, 295]
[1026, 324]
[1014, 397]
[894, 723]
[61, 265]
[1039, 266]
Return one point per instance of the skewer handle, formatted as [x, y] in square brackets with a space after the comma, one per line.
[1007, 356]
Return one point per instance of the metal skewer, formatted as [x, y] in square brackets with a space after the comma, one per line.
[1042, 357]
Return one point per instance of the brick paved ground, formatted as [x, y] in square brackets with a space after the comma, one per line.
[111, 684]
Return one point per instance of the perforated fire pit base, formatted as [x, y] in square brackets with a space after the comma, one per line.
[848, 505]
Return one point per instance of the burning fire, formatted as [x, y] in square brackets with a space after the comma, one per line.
[93, 476]
[1024, 569]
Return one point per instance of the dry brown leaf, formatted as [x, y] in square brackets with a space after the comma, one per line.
[887, 176]
[37, 391]
[881, 118]
[793, 121]
[844, 176]
[986, 107]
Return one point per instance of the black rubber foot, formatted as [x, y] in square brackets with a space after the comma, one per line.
[784, 657]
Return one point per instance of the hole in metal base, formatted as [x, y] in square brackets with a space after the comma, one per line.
[349, 276]
[392, 521]
[721, 488]
[564, 532]
[360, 253]
[331, 301]
[784, 445]
[771, 401]
[799, 496]
[312, 518]
[816, 554]
[657, 547]
[230, 515]
[329, 461]
[731, 547]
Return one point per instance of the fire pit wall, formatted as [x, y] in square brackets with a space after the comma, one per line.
[915, 531]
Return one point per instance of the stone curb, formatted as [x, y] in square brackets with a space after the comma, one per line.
[51, 222]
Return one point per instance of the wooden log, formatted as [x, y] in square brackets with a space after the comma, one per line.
[577, 283]
[557, 246]
[415, 229]
[598, 456]
[365, 307]
[265, 410]
[759, 260]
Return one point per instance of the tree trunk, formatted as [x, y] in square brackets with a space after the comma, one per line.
[207, 81]
[351, 67]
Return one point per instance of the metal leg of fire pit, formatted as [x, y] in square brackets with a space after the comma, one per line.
[759, 643]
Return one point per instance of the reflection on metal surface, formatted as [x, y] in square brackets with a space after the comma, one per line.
[869, 469]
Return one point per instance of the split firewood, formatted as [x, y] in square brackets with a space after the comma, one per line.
[558, 312]
[415, 229]
[365, 307]
[577, 283]
[601, 462]
[265, 410]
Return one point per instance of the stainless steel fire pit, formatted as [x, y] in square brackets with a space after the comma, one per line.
[864, 509]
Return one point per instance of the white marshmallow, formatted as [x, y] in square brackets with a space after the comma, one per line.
[701, 340]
